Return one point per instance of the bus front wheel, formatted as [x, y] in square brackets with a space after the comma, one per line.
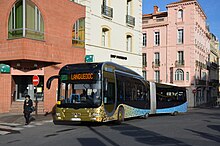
[120, 115]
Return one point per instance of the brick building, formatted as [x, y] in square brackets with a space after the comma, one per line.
[37, 38]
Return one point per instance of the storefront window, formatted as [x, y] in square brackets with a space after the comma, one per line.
[23, 86]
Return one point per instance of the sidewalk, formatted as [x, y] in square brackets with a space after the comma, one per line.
[19, 118]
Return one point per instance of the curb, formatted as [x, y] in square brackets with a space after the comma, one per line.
[14, 118]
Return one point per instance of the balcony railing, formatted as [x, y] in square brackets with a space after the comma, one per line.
[201, 65]
[157, 80]
[214, 83]
[156, 64]
[179, 63]
[107, 11]
[214, 65]
[130, 20]
[200, 82]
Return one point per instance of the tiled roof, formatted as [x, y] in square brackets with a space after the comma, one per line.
[158, 14]
[181, 1]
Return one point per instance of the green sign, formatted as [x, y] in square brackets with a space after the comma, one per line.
[64, 77]
[4, 68]
[89, 58]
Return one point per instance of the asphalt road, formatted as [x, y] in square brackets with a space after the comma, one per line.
[198, 127]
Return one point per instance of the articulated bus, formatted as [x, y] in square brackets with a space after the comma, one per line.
[167, 98]
[106, 91]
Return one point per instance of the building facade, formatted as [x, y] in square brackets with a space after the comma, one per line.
[213, 66]
[37, 38]
[114, 32]
[176, 48]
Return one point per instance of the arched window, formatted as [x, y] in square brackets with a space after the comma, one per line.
[129, 43]
[187, 76]
[179, 75]
[129, 7]
[25, 20]
[105, 37]
[78, 33]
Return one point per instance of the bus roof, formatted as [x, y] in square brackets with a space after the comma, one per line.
[80, 67]
[168, 85]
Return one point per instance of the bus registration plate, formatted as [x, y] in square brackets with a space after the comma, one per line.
[75, 119]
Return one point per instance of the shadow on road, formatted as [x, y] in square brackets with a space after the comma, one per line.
[90, 142]
[206, 135]
[140, 135]
[214, 127]
[146, 136]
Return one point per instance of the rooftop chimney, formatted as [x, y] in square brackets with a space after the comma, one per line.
[155, 9]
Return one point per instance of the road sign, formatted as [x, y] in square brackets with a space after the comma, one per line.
[89, 58]
[35, 80]
[194, 91]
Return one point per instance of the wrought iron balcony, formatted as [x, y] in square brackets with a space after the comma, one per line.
[156, 64]
[214, 65]
[144, 64]
[201, 82]
[214, 83]
[157, 80]
[179, 63]
[107, 11]
[201, 65]
[130, 20]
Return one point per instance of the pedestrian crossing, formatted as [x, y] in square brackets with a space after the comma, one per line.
[12, 128]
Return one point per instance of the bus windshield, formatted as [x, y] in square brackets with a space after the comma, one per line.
[79, 95]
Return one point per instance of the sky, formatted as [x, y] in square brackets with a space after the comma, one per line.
[210, 7]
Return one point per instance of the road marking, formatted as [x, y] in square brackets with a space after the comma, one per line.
[11, 128]
[4, 132]
[48, 121]
[7, 128]
[38, 123]
[29, 126]
[10, 124]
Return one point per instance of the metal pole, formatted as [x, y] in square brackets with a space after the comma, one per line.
[36, 104]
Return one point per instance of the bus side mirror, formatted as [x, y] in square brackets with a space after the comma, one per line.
[50, 80]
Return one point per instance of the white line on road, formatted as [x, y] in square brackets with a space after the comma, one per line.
[10, 124]
[4, 132]
[10, 128]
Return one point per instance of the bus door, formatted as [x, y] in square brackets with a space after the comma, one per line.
[152, 98]
[109, 98]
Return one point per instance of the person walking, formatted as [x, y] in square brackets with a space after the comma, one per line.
[28, 104]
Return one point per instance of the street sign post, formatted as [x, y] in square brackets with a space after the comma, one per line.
[194, 91]
[35, 81]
